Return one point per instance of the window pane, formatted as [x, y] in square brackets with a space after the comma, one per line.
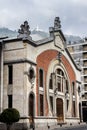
[59, 86]
[74, 109]
[67, 89]
[10, 74]
[67, 104]
[51, 102]
[41, 105]
[9, 101]
[50, 83]
[73, 88]
[41, 77]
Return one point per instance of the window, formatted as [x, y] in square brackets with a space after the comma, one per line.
[74, 112]
[67, 102]
[50, 82]
[51, 102]
[73, 88]
[9, 101]
[67, 88]
[41, 78]
[59, 86]
[31, 105]
[59, 79]
[41, 105]
[10, 74]
[31, 73]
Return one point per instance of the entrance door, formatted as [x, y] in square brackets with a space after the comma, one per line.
[59, 110]
[31, 108]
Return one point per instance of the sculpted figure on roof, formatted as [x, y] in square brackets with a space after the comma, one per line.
[57, 23]
[24, 28]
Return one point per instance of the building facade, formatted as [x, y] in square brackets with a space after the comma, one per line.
[40, 78]
[78, 51]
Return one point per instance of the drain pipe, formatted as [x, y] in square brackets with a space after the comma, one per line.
[1, 91]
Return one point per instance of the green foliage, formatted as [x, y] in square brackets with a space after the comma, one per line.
[9, 116]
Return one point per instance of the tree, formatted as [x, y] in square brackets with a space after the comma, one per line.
[9, 116]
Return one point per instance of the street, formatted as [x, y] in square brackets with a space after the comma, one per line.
[78, 127]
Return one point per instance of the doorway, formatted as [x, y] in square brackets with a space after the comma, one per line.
[31, 108]
[59, 110]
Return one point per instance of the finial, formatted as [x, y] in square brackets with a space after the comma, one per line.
[57, 22]
[24, 30]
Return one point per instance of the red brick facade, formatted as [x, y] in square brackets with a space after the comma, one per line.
[43, 61]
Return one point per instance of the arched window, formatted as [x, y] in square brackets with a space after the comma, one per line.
[59, 79]
[31, 105]
[67, 86]
[73, 88]
[41, 78]
[59, 85]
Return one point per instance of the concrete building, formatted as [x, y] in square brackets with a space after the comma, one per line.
[78, 51]
[39, 78]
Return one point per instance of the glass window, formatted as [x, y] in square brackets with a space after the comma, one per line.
[59, 79]
[50, 82]
[73, 88]
[74, 113]
[9, 101]
[51, 102]
[67, 102]
[41, 78]
[67, 87]
[41, 105]
[59, 85]
[10, 74]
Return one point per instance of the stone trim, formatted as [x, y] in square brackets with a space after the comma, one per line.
[38, 117]
[78, 82]
[44, 117]
[19, 61]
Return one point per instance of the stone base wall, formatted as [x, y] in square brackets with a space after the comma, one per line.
[40, 123]
[45, 121]
[72, 121]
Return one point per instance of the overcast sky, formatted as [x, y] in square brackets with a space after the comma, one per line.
[72, 13]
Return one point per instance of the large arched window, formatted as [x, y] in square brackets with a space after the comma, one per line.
[58, 86]
[59, 79]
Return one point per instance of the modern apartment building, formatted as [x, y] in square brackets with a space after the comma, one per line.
[78, 51]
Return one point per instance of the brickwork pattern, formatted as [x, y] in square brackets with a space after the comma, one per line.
[43, 61]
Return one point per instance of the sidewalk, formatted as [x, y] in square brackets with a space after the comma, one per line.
[65, 126]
